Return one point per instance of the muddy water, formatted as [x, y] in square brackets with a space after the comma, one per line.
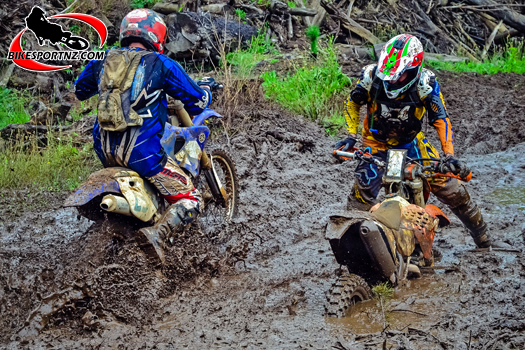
[417, 304]
[260, 283]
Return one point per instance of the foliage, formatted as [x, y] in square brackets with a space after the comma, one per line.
[12, 107]
[75, 29]
[139, 4]
[383, 290]
[313, 34]
[59, 166]
[316, 91]
[512, 59]
[246, 60]
[241, 14]
[265, 3]
[291, 4]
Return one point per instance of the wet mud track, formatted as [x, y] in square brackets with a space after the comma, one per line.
[260, 282]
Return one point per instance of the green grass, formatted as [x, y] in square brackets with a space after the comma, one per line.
[12, 107]
[59, 166]
[510, 60]
[316, 90]
[264, 2]
[139, 4]
[241, 14]
[246, 60]
[313, 34]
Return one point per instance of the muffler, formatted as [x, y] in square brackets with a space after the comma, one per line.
[377, 248]
[116, 204]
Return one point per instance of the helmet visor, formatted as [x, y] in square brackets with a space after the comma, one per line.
[405, 79]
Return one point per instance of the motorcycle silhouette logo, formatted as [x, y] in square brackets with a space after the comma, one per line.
[48, 32]
[44, 31]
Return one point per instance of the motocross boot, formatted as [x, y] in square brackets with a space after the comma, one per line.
[153, 239]
[456, 196]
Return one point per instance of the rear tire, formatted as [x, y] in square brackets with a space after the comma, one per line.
[346, 291]
[216, 212]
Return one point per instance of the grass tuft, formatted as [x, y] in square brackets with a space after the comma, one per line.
[383, 290]
[241, 14]
[246, 60]
[12, 107]
[512, 59]
[57, 167]
[316, 90]
[313, 34]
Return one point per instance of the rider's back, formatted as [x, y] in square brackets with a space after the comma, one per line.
[139, 147]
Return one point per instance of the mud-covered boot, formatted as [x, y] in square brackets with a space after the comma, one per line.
[459, 201]
[152, 239]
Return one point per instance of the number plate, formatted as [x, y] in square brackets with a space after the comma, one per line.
[395, 165]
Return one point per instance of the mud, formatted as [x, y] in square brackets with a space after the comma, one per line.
[260, 282]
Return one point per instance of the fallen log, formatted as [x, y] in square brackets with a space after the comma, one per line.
[349, 23]
[444, 58]
[165, 9]
[198, 36]
[490, 40]
[507, 34]
[279, 7]
[509, 17]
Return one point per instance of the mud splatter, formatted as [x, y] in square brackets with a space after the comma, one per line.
[261, 281]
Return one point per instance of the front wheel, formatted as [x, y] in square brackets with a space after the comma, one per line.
[348, 290]
[217, 210]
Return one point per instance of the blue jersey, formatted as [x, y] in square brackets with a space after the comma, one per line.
[139, 148]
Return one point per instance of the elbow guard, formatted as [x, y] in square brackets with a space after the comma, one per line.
[359, 95]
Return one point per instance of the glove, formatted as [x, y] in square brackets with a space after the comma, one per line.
[455, 166]
[210, 82]
[349, 142]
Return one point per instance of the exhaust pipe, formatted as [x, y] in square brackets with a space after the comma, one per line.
[377, 248]
[116, 204]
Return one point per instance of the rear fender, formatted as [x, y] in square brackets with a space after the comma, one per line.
[99, 182]
[434, 211]
[207, 113]
[141, 196]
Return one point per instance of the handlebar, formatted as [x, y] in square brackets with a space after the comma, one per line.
[427, 171]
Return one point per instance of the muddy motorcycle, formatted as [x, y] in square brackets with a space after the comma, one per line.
[394, 238]
[117, 192]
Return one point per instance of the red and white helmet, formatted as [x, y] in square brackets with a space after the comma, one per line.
[403, 53]
[144, 26]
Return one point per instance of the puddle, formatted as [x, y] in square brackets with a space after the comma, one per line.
[423, 300]
[509, 195]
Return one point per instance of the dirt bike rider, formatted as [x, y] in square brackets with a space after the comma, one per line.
[397, 91]
[138, 147]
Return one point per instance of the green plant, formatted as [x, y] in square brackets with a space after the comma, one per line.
[316, 91]
[138, 4]
[245, 60]
[291, 4]
[12, 107]
[508, 59]
[241, 14]
[75, 29]
[384, 293]
[264, 2]
[333, 124]
[313, 34]
[383, 290]
[59, 166]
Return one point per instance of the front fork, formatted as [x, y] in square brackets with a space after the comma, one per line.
[217, 189]
[415, 185]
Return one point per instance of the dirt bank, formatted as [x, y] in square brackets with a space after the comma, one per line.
[260, 282]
